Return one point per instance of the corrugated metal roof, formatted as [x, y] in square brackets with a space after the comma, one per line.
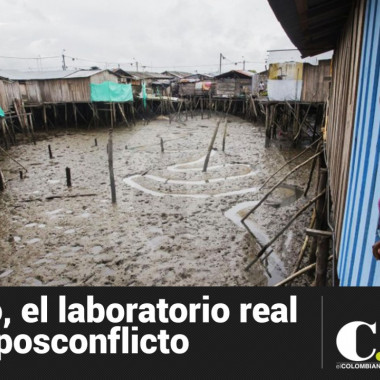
[34, 75]
[294, 55]
[232, 73]
[45, 75]
[147, 75]
[177, 74]
[84, 73]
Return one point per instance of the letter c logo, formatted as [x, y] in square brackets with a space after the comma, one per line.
[346, 340]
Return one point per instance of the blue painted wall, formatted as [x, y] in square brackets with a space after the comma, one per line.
[356, 265]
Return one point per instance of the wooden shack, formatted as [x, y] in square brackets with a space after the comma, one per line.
[139, 77]
[352, 134]
[195, 85]
[9, 91]
[41, 87]
[235, 83]
[316, 81]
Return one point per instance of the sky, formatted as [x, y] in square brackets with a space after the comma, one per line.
[183, 35]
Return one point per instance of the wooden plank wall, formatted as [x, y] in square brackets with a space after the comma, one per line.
[341, 112]
[3, 98]
[232, 87]
[316, 82]
[12, 92]
[187, 89]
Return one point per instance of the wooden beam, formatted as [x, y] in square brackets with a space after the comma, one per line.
[318, 233]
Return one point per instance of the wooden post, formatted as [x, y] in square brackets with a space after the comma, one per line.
[133, 113]
[66, 114]
[110, 165]
[267, 126]
[210, 148]
[162, 145]
[322, 243]
[32, 128]
[209, 104]
[44, 116]
[224, 137]
[123, 114]
[96, 142]
[191, 107]
[21, 174]
[68, 177]
[111, 114]
[55, 114]
[50, 152]
[75, 115]
[2, 182]
[201, 108]
[4, 132]
[319, 209]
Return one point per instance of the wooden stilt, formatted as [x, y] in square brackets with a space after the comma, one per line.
[123, 114]
[2, 181]
[110, 164]
[75, 115]
[66, 121]
[266, 246]
[210, 148]
[224, 137]
[44, 116]
[68, 177]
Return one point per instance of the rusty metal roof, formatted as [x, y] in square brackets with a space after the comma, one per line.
[235, 74]
[147, 75]
[312, 25]
[177, 74]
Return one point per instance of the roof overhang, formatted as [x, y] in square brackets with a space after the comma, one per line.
[312, 25]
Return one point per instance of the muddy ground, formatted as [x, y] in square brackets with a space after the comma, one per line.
[172, 224]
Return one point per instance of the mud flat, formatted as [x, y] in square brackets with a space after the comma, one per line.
[172, 224]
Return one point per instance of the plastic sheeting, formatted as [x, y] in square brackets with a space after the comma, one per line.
[2, 114]
[111, 92]
[144, 95]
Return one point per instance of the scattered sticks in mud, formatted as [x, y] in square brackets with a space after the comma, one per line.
[4, 151]
[297, 274]
[290, 161]
[266, 246]
[51, 197]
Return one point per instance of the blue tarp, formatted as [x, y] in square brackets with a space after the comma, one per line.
[111, 92]
[2, 114]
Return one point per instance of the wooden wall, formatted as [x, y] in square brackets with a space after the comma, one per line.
[8, 92]
[65, 90]
[341, 111]
[316, 82]
[231, 87]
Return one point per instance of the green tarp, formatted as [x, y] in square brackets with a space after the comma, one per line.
[2, 114]
[111, 92]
